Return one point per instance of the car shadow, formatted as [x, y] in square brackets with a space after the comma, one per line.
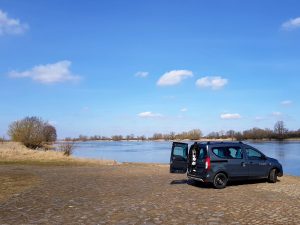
[182, 181]
[191, 182]
[199, 184]
[209, 185]
[245, 182]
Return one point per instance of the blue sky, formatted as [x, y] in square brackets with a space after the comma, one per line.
[139, 67]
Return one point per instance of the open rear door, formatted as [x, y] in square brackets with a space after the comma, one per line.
[179, 155]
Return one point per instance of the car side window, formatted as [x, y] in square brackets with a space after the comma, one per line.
[235, 152]
[228, 152]
[219, 152]
[253, 154]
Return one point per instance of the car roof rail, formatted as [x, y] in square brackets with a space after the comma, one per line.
[222, 142]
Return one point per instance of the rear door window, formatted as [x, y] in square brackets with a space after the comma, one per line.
[228, 152]
[202, 153]
[199, 152]
[180, 151]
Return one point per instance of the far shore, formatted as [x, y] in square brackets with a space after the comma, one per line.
[187, 140]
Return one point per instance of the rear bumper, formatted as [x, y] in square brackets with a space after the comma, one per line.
[195, 178]
[205, 178]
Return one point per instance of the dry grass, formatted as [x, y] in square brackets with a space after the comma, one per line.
[15, 153]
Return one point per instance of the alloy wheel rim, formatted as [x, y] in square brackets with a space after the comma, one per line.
[220, 180]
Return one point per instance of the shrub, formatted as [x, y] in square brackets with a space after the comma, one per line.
[32, 132]
[67, 148]
[49, 133]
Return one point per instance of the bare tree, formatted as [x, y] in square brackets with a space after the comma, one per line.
[157, 136]
[195, 134]
[117, 137]
[280, 130]
[141, 138]
[231, 134]
[238, 136]
[82, 138]
[172, 135]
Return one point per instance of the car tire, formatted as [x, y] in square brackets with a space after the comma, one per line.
[220, 181]
[272, 176]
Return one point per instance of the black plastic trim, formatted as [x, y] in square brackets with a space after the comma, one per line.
[218, 161]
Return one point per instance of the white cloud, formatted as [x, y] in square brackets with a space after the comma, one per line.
[228, 116]
[286, 102]
[174, 77]
[184, 110]
[10, 25]
[259, 118]
[276, 114]
[141, 74]
[213, 82]
[49, 73]
[291, 24]
[149, 115]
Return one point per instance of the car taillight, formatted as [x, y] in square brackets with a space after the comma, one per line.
[207, 163]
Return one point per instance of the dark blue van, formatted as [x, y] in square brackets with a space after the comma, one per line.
[220, 162]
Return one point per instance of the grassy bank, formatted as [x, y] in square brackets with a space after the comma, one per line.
[15, 153]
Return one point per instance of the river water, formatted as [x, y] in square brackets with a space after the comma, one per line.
[287, 152]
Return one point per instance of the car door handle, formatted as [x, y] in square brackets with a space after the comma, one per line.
[243, 164]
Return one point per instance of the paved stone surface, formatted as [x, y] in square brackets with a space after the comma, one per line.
[143, 194]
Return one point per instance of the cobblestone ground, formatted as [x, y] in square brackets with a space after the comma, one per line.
[144, 194]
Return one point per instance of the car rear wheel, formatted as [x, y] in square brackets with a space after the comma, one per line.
[273, 176]
[220, 181]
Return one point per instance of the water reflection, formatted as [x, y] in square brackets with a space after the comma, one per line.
[281, 152]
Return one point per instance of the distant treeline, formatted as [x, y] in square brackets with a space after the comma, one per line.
[278, 133]
[194, 134]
